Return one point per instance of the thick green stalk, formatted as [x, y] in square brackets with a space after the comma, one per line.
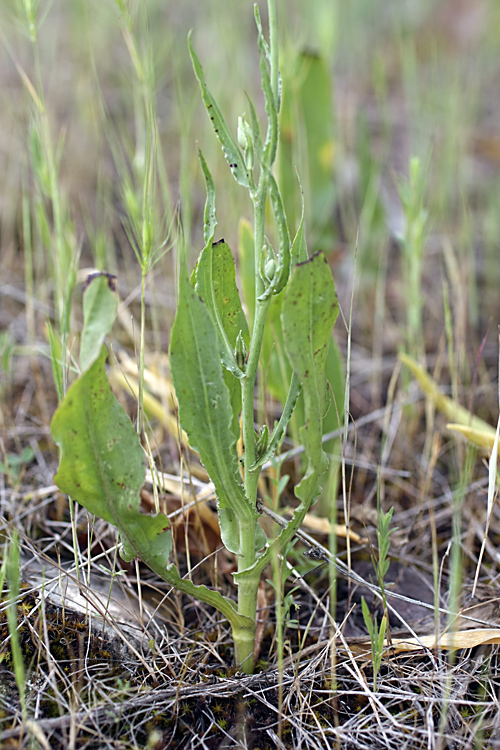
[247, 591]
[244, 638]
[247, 588]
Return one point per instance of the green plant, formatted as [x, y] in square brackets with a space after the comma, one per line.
[377, 638]
[214, 361]
[381, 566]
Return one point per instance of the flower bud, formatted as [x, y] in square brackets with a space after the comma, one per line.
[261, 442]
[241, 352]
[270, 269]
[241, 132]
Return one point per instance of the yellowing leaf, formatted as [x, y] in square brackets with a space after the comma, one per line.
[448, 641]
[472, 426]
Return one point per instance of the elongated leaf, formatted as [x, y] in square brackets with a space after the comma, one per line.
[246, 255]
[204, 408]
[256, 134]
[102, 467]
[299, 247]
[315, 101]
[288, 156]
[230, 148]
[216, 285]
[309, 313]
[102, 463]
[56, 358]
[283, 270]
[271, 104]
[100, 304]
[232, 318]
[210, 216]
[453, 410]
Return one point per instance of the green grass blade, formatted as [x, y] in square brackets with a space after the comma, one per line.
[11, 563]
[230, 148]
[56, 360]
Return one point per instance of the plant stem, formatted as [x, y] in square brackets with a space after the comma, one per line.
[273, 44]
[247, 588]
[140, 414]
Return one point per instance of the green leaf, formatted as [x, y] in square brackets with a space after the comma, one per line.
[56, 357]
[102, 464]
[299, 247]
[216, 285]
[256, 134]
[309, 313]
[307, 139]
[15, 462]
[210, 217]
[315, 100]
[368, 619]
[100, 304]
[233, 155]
[283, 271]
[205, 410]
[246, 256]
[271, 105]
[102, 467]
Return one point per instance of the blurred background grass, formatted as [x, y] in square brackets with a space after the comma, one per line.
[407, 79]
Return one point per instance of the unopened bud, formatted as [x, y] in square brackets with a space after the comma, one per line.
[261, 443]
[270, 269]
[242, 136]
[241, 352]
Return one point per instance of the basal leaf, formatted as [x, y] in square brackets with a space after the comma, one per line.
[100, 304]
[204, 407]
[102, 467]
[102, 464]
[233, 155]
